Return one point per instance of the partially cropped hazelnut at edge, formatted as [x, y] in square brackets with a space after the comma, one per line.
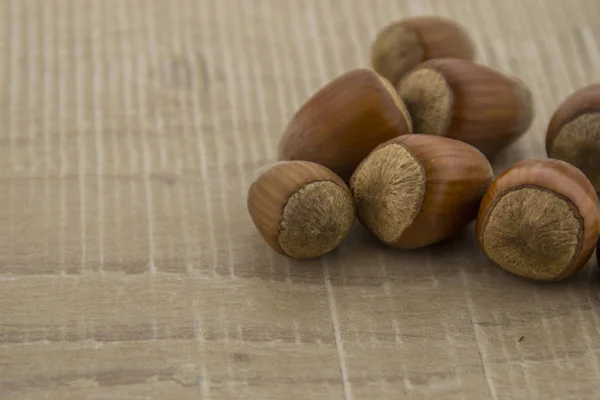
[301, 209]
[467, 101]
[417, 190]
[539, 220]
[346, 119]
[403, 44]
[574, 132]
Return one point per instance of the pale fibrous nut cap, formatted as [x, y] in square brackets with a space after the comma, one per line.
[430, 100]
[533, 231]
[302, 209]
[389, 189]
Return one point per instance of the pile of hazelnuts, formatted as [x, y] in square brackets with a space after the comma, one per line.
[406, 147]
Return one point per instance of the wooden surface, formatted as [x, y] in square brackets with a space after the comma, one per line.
[129, 267]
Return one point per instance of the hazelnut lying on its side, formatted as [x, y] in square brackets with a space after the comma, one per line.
[574, 132]
[341, 123]
[539, 220]
[301, 209]
[467, 101]
[416, 190]
[403, 44]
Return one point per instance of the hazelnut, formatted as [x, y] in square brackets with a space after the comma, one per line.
[574, 132]
[539, 220]
[341, 123]
[416, 190]
[301, 209]
[403, 44]
[467, 101]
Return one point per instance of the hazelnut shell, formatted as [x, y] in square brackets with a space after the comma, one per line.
[301, 209]
[403, 44]
[467, 101]
[416, 190]
[539, 220]
[573, 133]
[346, 119]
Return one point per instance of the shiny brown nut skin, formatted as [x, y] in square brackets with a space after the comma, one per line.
[539, 220]
[346, 119]
[416, 190]
[573, 134]
[403, 44]
[301, 209]
[467, 101]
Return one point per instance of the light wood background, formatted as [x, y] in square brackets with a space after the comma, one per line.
[129, 268]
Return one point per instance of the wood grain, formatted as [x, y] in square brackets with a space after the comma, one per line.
[130, 269]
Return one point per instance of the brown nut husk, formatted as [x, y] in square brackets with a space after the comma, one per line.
[469, 102]
[301, 209]
[417, 190]
[341, 123]
[403, 44]
[573, 133]
[539, 220]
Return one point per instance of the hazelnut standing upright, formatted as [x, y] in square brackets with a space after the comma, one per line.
[574, 132]
[539, 220]
[467, 101]
[403, 44]
[416, 190]
[341, 123]
[301, 209]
